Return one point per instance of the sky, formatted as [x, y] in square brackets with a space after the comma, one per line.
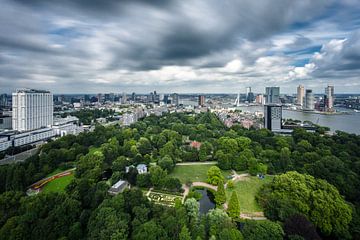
[202, 46]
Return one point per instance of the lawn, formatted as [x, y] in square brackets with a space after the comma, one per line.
[246, 191]
[58, 185]
[193, 173]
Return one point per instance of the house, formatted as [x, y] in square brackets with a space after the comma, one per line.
[118, 187]
[141, 168]
[195, 144]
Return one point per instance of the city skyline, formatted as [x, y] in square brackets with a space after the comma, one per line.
[172, 46]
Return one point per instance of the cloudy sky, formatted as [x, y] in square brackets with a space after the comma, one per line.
[210, 46]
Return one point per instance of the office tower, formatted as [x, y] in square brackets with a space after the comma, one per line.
[272, 95]
[32, 109]
[273, 116]
[309, 100]
[248, 90]
[201, 101]
[329, 102]
[175, 99]
[166, 98]
[133, 97]
[300, 95]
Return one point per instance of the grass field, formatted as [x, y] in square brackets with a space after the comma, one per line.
[193, 173]
[58, 185]
[246, 191]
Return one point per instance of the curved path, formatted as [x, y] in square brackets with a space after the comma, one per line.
[203, 184]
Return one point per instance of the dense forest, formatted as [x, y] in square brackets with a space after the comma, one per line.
[314, 195]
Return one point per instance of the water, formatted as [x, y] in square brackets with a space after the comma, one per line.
[345, 122]
[205, 202]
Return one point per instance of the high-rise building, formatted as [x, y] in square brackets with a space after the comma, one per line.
[309, 100]
[300, 95]
[329, 102]
[133, 97]
[249, 95]
[272, 95]
[175, 99]
[124, 98]
[201, 100]
[260, 99]
[273, 116]
[32, 109]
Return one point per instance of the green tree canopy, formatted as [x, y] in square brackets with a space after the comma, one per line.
[319, 201]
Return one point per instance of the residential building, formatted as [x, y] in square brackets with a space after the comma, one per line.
[300, 95]
[329, 101]
[201, 100]
[32, 109]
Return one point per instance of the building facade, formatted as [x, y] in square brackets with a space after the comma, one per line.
[309, 100]
[32, 109]
[329, 93]
[272, 95]
[201, 100]
[300, 95]
[273, 117]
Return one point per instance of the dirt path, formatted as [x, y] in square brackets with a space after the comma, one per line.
[203, 184]
[186, 191]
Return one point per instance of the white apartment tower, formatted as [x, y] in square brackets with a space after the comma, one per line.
[329, 92]
[31, 109]
[300, 95]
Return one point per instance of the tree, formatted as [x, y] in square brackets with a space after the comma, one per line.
[184, 234]
[234, 206]
[299, 225]
[230, 234]
[149, 230]
[214, 175]
[319, 201]
[158, 176]
[243, 142]
[217, 221]
[166, 163]
[144, 146]
[223, 159]
[254, 230]
[220, 195]
[192, 208]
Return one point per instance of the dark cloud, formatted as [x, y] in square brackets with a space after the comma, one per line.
[84, 42]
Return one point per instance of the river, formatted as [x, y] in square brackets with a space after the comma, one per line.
[349, 122]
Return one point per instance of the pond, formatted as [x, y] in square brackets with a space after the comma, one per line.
[206, 201]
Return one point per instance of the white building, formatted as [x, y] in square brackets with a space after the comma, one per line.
[300, 95]
[32, 109]
[118, 187]
[68, 125]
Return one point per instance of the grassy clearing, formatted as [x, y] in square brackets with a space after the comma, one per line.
[58, 185]
[246, 191]
[193, 173]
